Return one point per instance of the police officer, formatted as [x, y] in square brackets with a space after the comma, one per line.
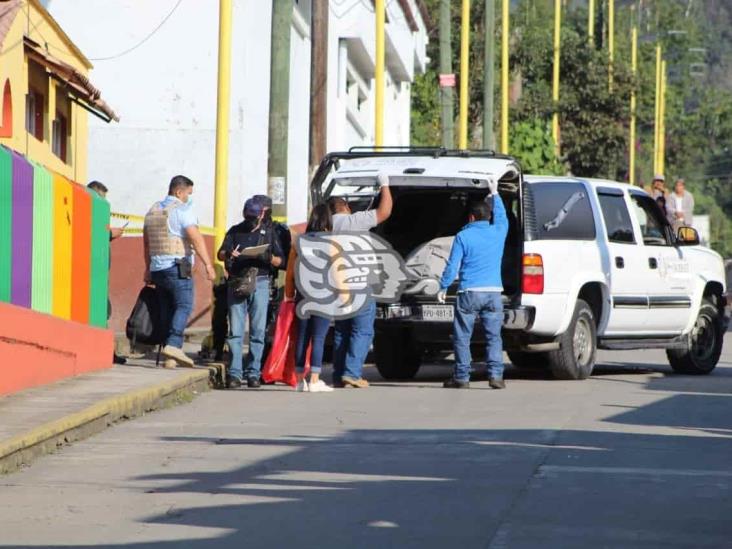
[171, 237]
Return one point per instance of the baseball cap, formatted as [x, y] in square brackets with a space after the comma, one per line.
[263, 199]
[255, 205]
[659, 177]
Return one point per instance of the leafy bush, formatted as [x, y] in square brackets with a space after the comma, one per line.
[531, 142]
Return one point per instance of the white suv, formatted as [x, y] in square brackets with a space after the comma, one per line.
[588, 264]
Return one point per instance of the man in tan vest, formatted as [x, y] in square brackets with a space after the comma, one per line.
[171, 237]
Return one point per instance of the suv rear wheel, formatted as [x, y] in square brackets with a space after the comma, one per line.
[703, 345]
[575, 357]
[397, 355]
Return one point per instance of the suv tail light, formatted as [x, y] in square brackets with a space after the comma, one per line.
[532, 279]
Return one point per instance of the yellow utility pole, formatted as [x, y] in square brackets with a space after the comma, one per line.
[555, 72]
[634, 70]
[464, 74]
[610, 40]
[657, 109]
[380, 11]
[662, 123]
[591, 21]
[504, 76]
[223, 101]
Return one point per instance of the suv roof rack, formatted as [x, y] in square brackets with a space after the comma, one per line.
[408, 150]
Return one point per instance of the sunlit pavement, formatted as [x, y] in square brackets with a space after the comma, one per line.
[634, 457]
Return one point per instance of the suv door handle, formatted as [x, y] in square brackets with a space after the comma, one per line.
[653, 263]
[619, 262]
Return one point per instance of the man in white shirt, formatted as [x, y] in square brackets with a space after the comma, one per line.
[353, 337]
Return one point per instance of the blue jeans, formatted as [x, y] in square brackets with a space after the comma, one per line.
[351, 343]
[181, 294]
[310, 329]
[254, 307]
[489, 308]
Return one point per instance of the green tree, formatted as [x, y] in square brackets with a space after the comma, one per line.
[695, 37]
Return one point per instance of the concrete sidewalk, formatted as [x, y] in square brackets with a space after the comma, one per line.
[37, 421]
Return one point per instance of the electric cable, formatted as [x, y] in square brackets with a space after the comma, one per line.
[141, 42]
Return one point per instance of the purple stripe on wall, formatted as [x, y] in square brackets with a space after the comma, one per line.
[22, 231]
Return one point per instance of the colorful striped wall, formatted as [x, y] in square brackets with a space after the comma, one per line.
[54, 243]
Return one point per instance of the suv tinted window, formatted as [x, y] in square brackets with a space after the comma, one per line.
[652, 223]
[617, 219]
[562, 211]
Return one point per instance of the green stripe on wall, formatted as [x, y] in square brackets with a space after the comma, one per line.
[42, 296]
[6, 223]
[99, 284]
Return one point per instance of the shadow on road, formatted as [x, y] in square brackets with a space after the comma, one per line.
[463, 488]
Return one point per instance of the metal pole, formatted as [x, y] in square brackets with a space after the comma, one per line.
[318, 81]
[223, 100]
[279, 107]
[634, 70]
[662, 124]
[610, 41]
[555, 73]
[464, 74]
[657, 109]
[591, 21]
[446, 92]
[489, 141]
[504, 75]
[380, 12]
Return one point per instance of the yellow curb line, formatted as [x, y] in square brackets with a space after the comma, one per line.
[115, 407]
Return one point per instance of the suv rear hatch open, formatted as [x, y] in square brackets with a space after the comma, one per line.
[432, 189]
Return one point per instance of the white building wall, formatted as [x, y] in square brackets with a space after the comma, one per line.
[298, 145]
[165, 93]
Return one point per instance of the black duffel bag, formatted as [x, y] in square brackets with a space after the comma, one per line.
[149, 321]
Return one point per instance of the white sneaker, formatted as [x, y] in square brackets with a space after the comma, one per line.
[320, 387]
[302, 386]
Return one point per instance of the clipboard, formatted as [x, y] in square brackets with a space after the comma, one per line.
[253, 251]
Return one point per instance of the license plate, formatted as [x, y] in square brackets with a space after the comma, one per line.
[439, 313]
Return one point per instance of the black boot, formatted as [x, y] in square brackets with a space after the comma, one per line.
[453, 383]
[497, 383]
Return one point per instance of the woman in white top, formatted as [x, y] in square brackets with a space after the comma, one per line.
[680, 206]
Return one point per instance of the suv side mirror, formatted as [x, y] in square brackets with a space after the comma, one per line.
[687, 236]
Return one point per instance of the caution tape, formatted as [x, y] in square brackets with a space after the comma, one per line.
[132, 218]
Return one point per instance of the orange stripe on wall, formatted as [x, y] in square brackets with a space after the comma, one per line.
[80, 254]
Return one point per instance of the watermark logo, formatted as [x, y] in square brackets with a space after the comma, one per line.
[337, 275]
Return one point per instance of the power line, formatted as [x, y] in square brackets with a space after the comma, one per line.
[141, 42]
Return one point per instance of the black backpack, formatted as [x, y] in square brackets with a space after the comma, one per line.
[149, 321]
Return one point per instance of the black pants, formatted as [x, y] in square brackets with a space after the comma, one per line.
[220, 320]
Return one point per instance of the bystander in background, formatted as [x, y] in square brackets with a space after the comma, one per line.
[680, 206]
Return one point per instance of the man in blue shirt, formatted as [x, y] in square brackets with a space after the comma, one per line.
[171, 237]
[475, 258]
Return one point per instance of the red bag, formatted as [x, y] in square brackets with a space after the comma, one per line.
[280, 365]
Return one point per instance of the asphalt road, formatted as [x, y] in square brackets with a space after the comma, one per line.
[634, 457]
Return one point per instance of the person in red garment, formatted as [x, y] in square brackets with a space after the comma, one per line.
[311, 330]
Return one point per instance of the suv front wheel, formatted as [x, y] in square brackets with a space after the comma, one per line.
[397, 355]
[575, 357]
[703, 345]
